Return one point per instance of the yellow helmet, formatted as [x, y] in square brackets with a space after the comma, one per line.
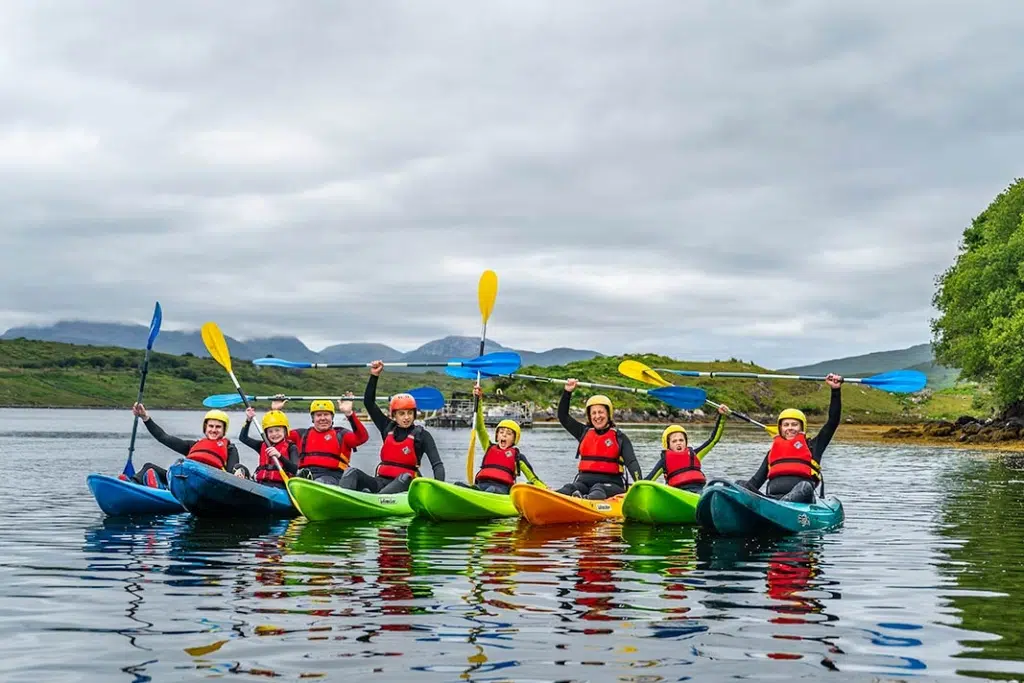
[219, 415]
[599, 400]
[669, 431]
[509, 424]
[275, 418]
[793, 414]
[323, 404]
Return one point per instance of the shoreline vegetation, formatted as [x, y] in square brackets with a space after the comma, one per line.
[38, 374]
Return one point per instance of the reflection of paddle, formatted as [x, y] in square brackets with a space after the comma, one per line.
[486, 294]
[218, 348]
[154, 329]
[641, 373]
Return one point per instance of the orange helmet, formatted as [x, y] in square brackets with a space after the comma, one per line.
[402, 402]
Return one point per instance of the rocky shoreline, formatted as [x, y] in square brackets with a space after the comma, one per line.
[964, 430]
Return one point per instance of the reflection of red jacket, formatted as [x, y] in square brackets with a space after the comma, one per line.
[789, 574]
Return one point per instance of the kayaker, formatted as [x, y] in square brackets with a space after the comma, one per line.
[214, 449]
[605, 452]
[324, 449]
[503, 462]
[682, 465]
[275, 426]
[405, 443]
[792, 466]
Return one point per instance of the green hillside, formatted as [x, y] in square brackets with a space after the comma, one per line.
[53, 374]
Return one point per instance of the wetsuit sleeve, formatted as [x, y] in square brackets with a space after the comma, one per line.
[629, 457]
[233, 461]
[290, 462]
[659, 469]
[716, 436]
[760, 477]
[430, 450]
[244, 437]
[527, 470]
[380, 420]
[571, 424]
[357, 437]
[176, 444]
[481, 429]
[828, 430]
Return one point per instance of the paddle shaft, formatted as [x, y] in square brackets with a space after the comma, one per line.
[591, 385]
[476, 407]
[403, 364]
[138, 399]
[745, 418]
[755, 375]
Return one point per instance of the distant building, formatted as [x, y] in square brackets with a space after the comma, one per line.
[458, 413]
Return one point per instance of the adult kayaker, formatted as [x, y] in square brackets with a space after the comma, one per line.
[682, 465]
[214, 449]
[605, 452]
[405, 443]
[793, 464]
[503, 462]
[275, 426]
[325, 450]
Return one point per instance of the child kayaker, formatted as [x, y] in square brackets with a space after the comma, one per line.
[214, 449]
[324, 449]
[682, 465]
[503, 462]
[605, 453]
[792, 466]
[405, 443]
[275, 426]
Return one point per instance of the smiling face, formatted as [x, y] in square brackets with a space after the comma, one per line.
[213, 429]
[323, 420]
[276, 434]
[404, 417]
[789, 428]
[504, 437]
[677, 442]
[598, 416]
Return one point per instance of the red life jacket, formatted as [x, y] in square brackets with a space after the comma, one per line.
[682, 468]
[323, 449]
[267, 470]
[791, 458]
[210, 452]
[499, 465]
[399, 457]
[600, 453]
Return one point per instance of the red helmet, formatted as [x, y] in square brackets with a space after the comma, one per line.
[402, 402]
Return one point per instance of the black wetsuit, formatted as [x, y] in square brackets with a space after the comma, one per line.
[779, 487]
[177, 445]
[423, 444]
[594, 485]
[290, 461]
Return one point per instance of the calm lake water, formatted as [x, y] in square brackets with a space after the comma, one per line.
[925, 581]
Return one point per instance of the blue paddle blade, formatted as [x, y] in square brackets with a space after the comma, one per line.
[154, 325]
[427, 398]
[281, 363]
[129, 469]
[223, 400]
[684, 398]
[464, 373]
[499, 363]
[898, 381]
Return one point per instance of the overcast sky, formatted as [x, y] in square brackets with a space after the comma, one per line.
[777, 181]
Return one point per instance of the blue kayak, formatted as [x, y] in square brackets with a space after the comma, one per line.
[204, 490]
[126, 498]
[729, 509]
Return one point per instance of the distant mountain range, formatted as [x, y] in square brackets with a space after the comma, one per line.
[919, 357]
[289, 348]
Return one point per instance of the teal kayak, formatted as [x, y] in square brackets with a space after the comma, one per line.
[655, 503]
[731, 510]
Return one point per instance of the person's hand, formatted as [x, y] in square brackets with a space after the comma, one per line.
[833, 380]
[570, 384]
[250, 413]
[139, 410]
[345, 407]
[240, 473]
[723, 409]
[478, 391]
[273, 452]
[278, 402]
[376, 367]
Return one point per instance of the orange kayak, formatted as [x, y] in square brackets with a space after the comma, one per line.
[544, 506]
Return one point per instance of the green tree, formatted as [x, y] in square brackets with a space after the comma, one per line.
[981, 301]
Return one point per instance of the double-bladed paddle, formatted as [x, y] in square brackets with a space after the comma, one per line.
[427, 398]
[154, 330]
[895, 381]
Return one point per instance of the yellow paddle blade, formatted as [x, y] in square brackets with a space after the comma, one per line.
[487, 292]
[772, 430]
[216, 345]
[641, 373]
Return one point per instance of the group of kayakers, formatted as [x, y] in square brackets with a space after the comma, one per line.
[322, 452]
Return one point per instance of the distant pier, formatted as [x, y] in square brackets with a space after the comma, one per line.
[457, 413]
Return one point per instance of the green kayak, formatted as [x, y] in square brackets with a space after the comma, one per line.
[319, 502]
[445, 502]
[656, 503]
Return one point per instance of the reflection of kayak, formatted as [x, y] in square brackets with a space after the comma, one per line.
[732, 510]
[205, 490]
[320, 502]
[441, 501]
[544, 506]
[117, 498]
[656, 503]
